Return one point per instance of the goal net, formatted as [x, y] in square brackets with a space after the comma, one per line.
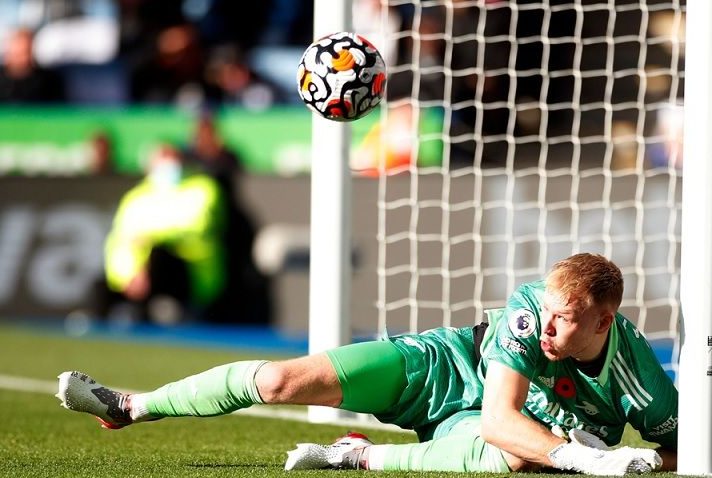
[560, 131]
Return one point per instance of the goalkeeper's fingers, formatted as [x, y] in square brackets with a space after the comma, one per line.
[642, 460]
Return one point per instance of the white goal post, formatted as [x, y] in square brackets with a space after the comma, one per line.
[695, 369]
[330, 221]
[559, 130]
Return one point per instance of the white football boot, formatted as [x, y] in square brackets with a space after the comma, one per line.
[81, 393]
[343, 453]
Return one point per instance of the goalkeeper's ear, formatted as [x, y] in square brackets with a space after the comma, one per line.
[605, 320]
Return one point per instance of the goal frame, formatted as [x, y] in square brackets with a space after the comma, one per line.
[330, 221]
[695, 367]
[329, 297]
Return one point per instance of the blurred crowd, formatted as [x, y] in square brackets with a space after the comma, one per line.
[180, 244]
[498, 73]
[185, 53]
[193, 53]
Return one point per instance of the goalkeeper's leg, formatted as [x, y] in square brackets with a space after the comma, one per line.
[217, 391]
[369, 375]
[456, 446]
[366, 377]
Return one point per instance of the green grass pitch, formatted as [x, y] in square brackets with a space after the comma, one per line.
[38, 438]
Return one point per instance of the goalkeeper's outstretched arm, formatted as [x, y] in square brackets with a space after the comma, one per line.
[527, 444]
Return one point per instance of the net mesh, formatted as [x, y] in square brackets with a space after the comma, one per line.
[558, 131]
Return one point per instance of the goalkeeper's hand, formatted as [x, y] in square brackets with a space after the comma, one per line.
[588, 454]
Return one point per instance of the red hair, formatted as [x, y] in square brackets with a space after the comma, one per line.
[588, 279]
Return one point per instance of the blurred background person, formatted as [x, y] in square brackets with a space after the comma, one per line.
[208, 153]
[101, 154]
[171, 72]
[22, 80]
[165, 252]
[233, 82]
[76, 39]
[70, 32]
[67, 31]
[249, 291]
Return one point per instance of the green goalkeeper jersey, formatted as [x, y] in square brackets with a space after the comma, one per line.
[632, 386]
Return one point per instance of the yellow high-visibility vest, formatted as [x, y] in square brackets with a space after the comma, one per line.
[187, 219]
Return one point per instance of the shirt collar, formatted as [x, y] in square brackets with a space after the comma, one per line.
[612, 348]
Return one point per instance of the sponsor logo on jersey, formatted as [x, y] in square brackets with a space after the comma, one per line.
[552, 413]
[522, 323]
[513, 345]
[547, 381]
[667, 426]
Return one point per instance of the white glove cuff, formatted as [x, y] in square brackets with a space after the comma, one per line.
[571, 456]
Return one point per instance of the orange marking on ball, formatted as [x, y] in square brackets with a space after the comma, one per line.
[306, 81]
[344, 62]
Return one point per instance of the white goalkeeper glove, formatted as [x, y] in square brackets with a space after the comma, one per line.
[586, 453]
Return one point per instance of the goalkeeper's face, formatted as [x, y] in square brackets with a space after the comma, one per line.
[571, 329]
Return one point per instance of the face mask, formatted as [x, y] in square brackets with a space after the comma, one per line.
[166, 174]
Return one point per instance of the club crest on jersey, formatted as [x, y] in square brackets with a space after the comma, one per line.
[588, 407]
[522, 323]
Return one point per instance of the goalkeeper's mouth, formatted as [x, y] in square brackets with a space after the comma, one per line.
[547, 347]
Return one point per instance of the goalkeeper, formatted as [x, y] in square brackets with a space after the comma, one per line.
[548, 382]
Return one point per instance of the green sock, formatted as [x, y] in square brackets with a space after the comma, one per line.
[453, 453]
[217, 391]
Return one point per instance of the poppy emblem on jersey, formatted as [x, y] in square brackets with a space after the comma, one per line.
[565, 388]
[522, 323]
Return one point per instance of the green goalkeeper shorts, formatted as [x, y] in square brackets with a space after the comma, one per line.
[414, 381]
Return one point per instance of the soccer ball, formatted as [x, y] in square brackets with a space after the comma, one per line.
[342, 77]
